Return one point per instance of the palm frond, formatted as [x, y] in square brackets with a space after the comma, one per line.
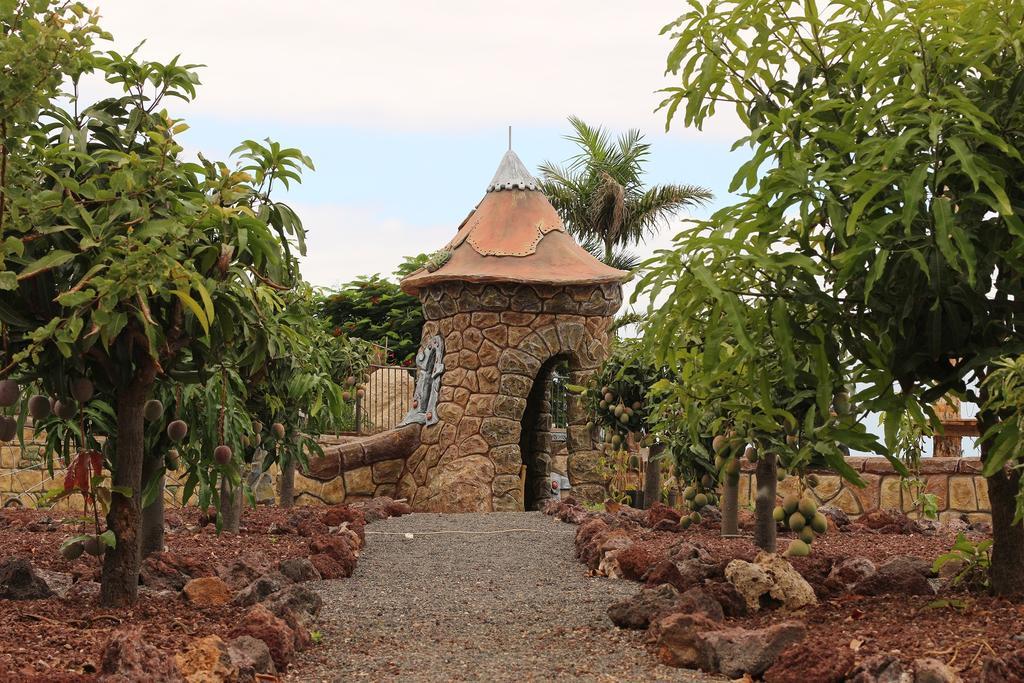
[608, 207]
[592, 243]
[633, 151]
[594, 143]
[623, 259]
[627, 318]
[599, 192]
[649, 211]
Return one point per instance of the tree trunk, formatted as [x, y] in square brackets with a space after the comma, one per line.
[152, 536]
[764, 503]
[1006, 575]
[1007, 571]
[230, 506]
[731, 505]
[119, 582]
[286, 484]
[652, 477]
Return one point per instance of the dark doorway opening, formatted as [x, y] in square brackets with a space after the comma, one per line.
[535, 444]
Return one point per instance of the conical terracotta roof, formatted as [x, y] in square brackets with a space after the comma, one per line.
[515, 235]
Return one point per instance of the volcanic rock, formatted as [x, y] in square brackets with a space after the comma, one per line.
[802, 664]
[299, 569]
[19, 580]
[207, 660]
[260, 623]
[252, 657]
[260, 589]
[638, 611]
[770, 581]
[692, 641]
[848, 572]
[170, 571]
[903, 575]
[128, 658]
[337, 548]
[207, 591]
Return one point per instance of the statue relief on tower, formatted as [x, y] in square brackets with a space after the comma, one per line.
[429, 368]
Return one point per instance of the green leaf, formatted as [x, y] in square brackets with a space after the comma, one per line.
[108, 539]
[943, 214]
[80, 538]
[877, 268]
[193, 306]
[207, 301]
[913, 193]
[862, 202]
[72, 299]
[966, 158]
[51, 260]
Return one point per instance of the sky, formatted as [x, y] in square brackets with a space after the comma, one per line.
[404, 106]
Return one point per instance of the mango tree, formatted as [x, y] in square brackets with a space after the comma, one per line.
[307, 387]
[124, 264]
[891, 131]
[753, 374]
[376, 309]
[618, 402]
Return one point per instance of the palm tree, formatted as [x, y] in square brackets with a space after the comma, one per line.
[600, 195]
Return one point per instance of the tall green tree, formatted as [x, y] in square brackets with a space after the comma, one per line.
[376, 309]
[751, 362]
[309, 386]
[125, 263]
[892, 133]
[601, 196]
[617, 399]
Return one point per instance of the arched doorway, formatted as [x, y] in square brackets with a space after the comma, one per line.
[535, 436]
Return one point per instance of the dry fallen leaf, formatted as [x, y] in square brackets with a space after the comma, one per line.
[855, 644]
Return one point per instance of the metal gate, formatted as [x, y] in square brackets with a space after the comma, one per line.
[387, 397]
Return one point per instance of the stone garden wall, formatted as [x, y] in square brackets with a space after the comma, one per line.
[956, 482]
[24, 481]
[379, 479]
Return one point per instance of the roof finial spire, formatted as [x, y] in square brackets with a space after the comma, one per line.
[512, 174]
[510, 138]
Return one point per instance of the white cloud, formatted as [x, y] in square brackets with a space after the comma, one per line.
[416, 64]
[345, 242]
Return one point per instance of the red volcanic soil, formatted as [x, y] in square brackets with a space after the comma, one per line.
[57, 638]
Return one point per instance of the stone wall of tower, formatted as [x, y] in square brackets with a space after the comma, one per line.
[498, 337]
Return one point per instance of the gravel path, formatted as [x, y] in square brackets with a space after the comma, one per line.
[490, 605]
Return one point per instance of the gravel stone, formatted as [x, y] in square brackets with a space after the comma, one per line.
[512, 606]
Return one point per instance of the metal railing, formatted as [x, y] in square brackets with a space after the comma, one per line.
[558, 397]
[387, 397]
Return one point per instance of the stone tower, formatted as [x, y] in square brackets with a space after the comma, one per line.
[508, 299]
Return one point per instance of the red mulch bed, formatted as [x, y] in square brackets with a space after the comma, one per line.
[58, 639]
[827, 547]
[914, 626]
[955, 627]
